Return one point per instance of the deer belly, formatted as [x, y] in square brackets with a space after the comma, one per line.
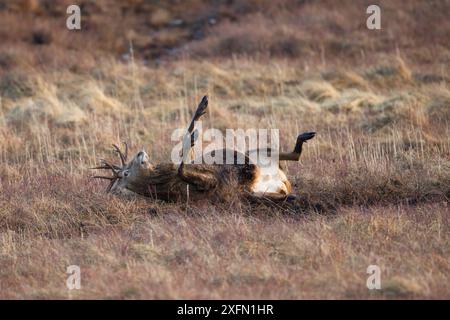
[270, 180]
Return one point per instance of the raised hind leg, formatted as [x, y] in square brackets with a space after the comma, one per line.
[200, 176]
[295, 155]
[190, 137]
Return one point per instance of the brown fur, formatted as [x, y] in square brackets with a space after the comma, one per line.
[217, 182]
[168, 182]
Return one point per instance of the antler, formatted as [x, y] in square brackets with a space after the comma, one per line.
[107, 166]
[123, 156]
[116, 170]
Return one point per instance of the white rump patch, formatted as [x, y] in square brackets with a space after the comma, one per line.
[270, 180]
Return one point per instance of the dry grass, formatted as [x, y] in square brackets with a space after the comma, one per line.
[214, 253]
[375, 182]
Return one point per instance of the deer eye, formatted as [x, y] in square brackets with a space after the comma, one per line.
[126, 173]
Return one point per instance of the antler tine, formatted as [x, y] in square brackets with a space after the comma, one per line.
[110, 185]
[112, 180]
[103, 177]
[113, 167]
[123, 157]
[126, 150]
[107, 166]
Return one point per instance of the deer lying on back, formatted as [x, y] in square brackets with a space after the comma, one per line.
[217, 182]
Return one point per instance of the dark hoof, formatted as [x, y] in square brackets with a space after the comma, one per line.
[291, 198]
[201, 109]
[306, 136]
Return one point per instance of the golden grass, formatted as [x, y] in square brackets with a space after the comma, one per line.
[375, 184]
[214, 253]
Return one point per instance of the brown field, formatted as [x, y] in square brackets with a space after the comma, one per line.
[375, 180]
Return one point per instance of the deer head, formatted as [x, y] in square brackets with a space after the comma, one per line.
[128, 177]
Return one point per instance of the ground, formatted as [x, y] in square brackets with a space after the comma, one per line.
[375, 181]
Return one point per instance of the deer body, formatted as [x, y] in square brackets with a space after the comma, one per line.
[166, 181]
[222, 182]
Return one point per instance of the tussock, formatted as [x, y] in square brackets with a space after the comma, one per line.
[345, 79]
[93, 98]
[353, 100]
[47, 106]
[318, 91]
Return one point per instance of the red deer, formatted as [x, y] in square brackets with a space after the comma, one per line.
[172, 182]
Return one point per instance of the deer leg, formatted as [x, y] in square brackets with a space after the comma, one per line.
[195, 174]
[295, 155]
[191, 134]
[201, 110]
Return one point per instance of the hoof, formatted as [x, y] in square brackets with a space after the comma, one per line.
[291, 198]
[306, 136]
